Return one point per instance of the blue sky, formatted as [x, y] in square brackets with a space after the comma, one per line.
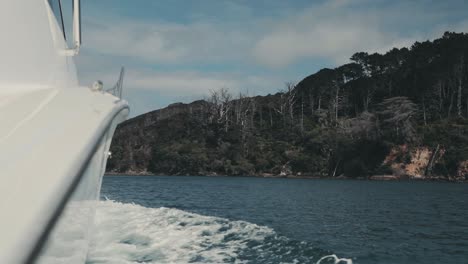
[177, 50]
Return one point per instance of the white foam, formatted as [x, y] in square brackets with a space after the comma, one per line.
[129, 233]
[335, 259]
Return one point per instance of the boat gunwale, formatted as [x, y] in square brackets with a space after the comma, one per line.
[57, 212]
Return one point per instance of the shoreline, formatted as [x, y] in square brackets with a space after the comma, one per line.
[370, 178]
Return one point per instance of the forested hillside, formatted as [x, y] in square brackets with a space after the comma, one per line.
[403, 113]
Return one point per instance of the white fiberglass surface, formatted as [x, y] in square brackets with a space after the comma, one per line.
[70, 238]
[69, 241]
[42, 151]
[31, 42]
[17, 109]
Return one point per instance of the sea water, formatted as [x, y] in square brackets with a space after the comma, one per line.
[261, 220]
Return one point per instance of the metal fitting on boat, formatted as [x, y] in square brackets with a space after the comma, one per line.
[97, 86]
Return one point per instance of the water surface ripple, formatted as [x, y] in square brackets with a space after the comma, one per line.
[264, 220]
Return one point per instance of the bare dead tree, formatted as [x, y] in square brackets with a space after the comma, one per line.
[214, 101]
[430, 164]
[226, 106]
[319, 103]
[270, 113]
[336, 103]
[260, 112]
[239, 107]
[451, 105]
[311, 103]
[367, 100]
[459, 74]
[290, 99]
[281, 107]
[302, 114]
[362, 126]
[397, 113]
[424, 110]
[252, 110]
[220, 107]
[441, 98]
[244, 111]
[459, 98]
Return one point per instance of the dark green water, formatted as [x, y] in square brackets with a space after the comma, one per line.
[366, 221]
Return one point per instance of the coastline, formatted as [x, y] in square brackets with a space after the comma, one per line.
[342, 177]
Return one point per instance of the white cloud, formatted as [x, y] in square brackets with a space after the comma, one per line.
[162, 42]
[331, 31]
[200, 83]
[180, 83]
[176, 82]
[337, 29]
[328, 31]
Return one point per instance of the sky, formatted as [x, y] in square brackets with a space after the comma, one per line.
[179, 50]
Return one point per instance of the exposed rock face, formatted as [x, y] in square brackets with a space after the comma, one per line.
[420, 158]
[413, 162]
[462, 174]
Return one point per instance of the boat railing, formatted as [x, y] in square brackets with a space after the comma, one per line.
[116, 90]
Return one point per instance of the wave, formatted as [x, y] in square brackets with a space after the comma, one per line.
[129, 233]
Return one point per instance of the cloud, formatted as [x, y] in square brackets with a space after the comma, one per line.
[185, 83]
[331, 30]
[174, 82]
[164, 42]
[146, 89]
[330, 39]
[244, 45]
[336, 29]
[179, 83]
[326, 32]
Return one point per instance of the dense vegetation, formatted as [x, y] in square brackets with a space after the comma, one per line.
[368, 117]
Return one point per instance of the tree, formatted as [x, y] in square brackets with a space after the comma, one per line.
[290, 93]
[362, 59]
[221, 106]
[336, 102]
[363, 126]
[397, 114]
[459, 73]
[341, 120]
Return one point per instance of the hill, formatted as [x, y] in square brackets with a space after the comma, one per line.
[400, 114]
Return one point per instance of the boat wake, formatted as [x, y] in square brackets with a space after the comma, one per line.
[129, 233]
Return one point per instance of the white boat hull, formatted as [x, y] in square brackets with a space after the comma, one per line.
[52, 160]
[54, 138]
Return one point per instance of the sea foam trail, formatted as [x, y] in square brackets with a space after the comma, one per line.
[129, 233]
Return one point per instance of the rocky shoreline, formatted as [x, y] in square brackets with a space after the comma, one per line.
[341, 177]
